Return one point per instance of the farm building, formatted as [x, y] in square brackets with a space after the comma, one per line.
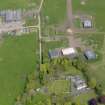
[102, 99]
[11, 15]
[68, 51]
[79, 83]
[55, 54]
[93, 102]
[90, 55]
[87, 24]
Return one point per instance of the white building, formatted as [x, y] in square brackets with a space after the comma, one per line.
[87, 24]
[79, 83]
[68, 51]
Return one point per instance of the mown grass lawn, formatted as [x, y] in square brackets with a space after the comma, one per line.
[17, 59]
[59, 86]
[93, 7]
[14, 4]
[55, 10]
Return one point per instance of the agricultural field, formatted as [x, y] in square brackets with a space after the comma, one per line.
[17, 59]
[17, 4]
[93, 8]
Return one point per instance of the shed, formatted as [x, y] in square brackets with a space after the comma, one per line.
[68, 51]
[79, 83]
[90, 55]
[87, 24]
[93, 102]
[11, 15]
[55, 53]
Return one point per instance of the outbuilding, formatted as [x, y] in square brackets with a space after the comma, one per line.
[87, 24]
[55, 53]
[68, 51]
[90, 55]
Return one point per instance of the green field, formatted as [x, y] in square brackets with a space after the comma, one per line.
[17, 59]
[14, 4]
[59, 87]
[92, 7]
[55, 10]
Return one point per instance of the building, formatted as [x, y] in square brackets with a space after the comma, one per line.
[87, 24]
[11, 15]
[93, 102]
[101, 99]
[68, 51]
[90, 55]
[55, 54]
[79, 83]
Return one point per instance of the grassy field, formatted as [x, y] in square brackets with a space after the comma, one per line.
[13, 4]
[54, 10]
[59, 86]
[92, 7]
[17, 59]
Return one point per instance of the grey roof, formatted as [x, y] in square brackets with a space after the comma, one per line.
[87, 23]
[11, 15]
[90, 55]
[55, 54]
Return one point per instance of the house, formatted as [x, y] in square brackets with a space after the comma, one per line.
[68, 51]
[79, 83]
[93, 102]
[90, 55]
[87, 24]
[101, 99]
[55, 54]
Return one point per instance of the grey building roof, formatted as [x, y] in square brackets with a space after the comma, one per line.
[12, 16]
[87, 24]
[90, 55]
[55, 54]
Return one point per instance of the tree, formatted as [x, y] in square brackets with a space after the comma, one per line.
[92, 83]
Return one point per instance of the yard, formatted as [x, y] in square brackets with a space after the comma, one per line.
[59, 87]
[92, 7]
[17, 59]
[51, 45]
[84, 98]
[14, 4]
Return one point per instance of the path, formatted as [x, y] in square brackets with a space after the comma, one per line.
[69, 14]
[73, 42]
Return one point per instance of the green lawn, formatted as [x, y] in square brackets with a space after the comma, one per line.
[55, 10]
[84, 97]
[17, 59]
[93, 7]
[59, 86]
[13, 4]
